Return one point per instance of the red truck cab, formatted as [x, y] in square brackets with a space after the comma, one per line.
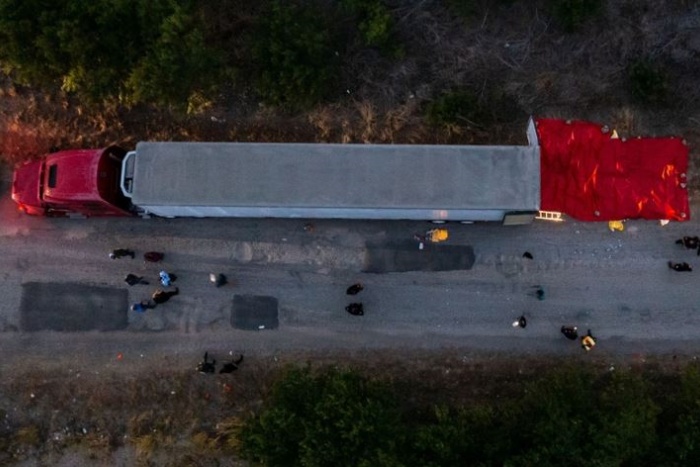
[80, 182]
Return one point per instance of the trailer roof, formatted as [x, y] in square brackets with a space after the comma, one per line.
[337, 175]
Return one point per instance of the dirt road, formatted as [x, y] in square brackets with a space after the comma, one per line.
[616, 284]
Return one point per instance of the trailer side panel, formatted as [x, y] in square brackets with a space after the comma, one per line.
[336, 181]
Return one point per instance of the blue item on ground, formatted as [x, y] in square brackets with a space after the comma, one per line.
[165, 279]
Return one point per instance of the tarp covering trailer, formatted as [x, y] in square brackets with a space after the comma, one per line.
[591, 174]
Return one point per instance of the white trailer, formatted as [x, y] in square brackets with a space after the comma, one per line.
[335, 181]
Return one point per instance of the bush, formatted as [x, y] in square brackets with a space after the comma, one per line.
[574, 415]
[681, 436]
[625, 421]
[375, 24]
[296, 52]
[570, 415]
[136, 50]
[456, 438]
[179, 67]
[454, 108]
[552, 421]
[648, 83]
[571, 14]
[336, 418]
[463, 108]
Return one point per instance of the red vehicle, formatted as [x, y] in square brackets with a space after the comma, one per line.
[73, 183]
[578, 168]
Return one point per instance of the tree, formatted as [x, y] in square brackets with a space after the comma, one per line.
[296, 52]
[178, 64]
[468, 436]
[550, 425]
[681, 442]
[624, 423]
[335, 418]
[137, 50]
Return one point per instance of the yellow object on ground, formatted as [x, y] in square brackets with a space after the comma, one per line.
[616, 226]
[587, 342]
[437, 235]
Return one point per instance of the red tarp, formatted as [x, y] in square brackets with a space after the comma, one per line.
[590, 176]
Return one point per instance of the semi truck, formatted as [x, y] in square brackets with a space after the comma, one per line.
[279, 180]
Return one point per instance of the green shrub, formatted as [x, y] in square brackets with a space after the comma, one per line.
[464, 108]
[336, 418]
[178, 67]
[456, 438]
[375, 24]
[552, 421]
[296, 51]
[454, 108]
[573, 415]
[625, 421]
[648, 83]
[681, 435]
[138, 50]
[571, 14]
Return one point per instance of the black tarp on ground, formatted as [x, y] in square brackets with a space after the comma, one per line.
[254, 312]
[406, 256]
[72, 307]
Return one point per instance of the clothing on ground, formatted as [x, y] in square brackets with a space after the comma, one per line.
[355, 309]
[121, 253]
[354, 289]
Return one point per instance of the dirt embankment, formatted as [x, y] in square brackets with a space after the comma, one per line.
[130, 413]
[512, 56]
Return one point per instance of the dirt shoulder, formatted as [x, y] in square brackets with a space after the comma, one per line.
[63, 413]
